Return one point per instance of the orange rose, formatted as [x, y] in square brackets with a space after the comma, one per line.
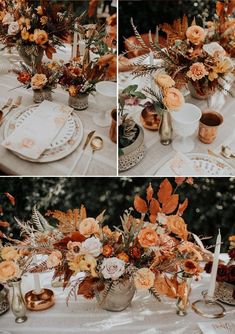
[40, 37]
[148, 237]
[177, 226]
[88, 226]
[164, 81]
[195, 34]
[73, 91]
[144, 278]
[38, 81]
[8, 270]
[107, 250]
[197, 71]
[107, 231]
[173, 99]
[123, 256]
[31, 37]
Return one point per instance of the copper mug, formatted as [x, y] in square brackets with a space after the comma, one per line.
[209, 123]
[113, 128]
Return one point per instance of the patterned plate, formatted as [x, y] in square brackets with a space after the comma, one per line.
[57, 152]
[63, 136]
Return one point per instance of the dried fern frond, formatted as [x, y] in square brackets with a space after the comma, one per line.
[155, 294]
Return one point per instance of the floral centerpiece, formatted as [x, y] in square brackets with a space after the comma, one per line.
[34, 29]
[43, 81]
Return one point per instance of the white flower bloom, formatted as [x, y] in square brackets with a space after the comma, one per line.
[91, 246]
[8, 18]
[112, 268]
[214, 49]
[13, 28]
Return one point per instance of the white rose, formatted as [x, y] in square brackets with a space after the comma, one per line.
[112, 268]
[91, 246]
[13, 28]
[214, 49]
[8, 18]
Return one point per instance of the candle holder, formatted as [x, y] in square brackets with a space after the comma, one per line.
[208, 307]
[39, 301]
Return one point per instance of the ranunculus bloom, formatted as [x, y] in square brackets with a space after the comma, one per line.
[13, 28]
[123, 256]
[191, 267]
[144, 278]
[176, 225]
[135, 252]
[148, 237]
[195, 34]
[40, 36]
[112, 268]
[23, 77]
[9, 253]
[231, 273]
[222, 273]
[8, 18]
[91, 246]
[83, 262]
[107, 250]
[54, 259]
[88, 226]
[164, 81]
[197, 71]
[38, 81]
[173, 99]
[8, 270]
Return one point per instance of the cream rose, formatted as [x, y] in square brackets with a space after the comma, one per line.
[173, 99]
[38, 81]
[9, 253]
[195, 34]
[164, 81]
[8, 18]
[54, 259]
[13, 28]
[112, 268]
[91, 246]
[8, 271]
[197, 71]
[88, 226]
[144, 278]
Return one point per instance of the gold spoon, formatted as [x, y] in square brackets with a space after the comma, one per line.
[227, 152]
[96, 145]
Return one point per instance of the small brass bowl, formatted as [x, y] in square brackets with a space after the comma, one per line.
[150, 119]
[39, 301]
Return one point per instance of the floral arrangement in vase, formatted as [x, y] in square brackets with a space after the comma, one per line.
[34, 29]
[42, 80]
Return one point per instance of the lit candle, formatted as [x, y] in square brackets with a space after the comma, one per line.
[37, 287]
[75, 41]
[151, 57]
[211, 289]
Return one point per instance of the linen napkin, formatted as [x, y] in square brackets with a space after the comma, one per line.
[182, 165]
[35, 135]
[217, 327]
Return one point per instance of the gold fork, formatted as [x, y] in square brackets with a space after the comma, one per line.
[7, 104]
[15, 104]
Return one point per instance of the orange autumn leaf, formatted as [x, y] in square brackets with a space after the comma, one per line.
[165, 191]
[49, 51]
[179, 180]
[171, 204]
[140, 204]
[154, 207]
[11, 198]
[149, 192]
[4, 224]
[153, 219]
[182, 207]
[230, 8]
[219, 8]
[78, 237]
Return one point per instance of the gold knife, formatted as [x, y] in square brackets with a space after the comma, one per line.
[88, 138]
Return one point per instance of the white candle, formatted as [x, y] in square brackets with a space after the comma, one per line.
[37, 287]
[157, 35]
[75, 42]
[211, 289]
[151, 58]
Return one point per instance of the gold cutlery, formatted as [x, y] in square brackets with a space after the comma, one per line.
[14, 105]
[210, 152]
[6, 105]
[88, 138]
[96, 145]
[227, 152]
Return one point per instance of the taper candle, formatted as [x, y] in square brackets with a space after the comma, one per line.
[37, 286]
[151, 59]
[75, 42]
[211, 289]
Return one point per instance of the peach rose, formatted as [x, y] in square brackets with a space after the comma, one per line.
[164, 81]
[44, 20]
[8, 270]
[173, 99]
[31, 37]
[24, 34]
[148, 237]
[197, 71]
[177, 226]
[38, 81]
[54, 259]
[40, 37]
[144, 278]
[88, 226]
[39, 10]
[195, 34]
[167, 243]
[9, 253]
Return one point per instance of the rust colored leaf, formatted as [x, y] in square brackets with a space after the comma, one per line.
[77, 236]
[179, 180]
[4, 224]
[230, 8]
[165, 191]
[87, 287]
[140, 204]
[153, 219]
[182, 207]
[219, 8]
[62, 244]
[154, 207]
[171, 204]
[149, 192]
[11, 198]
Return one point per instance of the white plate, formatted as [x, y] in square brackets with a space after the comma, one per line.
[57, 152]
[63, 136]
[208, 165]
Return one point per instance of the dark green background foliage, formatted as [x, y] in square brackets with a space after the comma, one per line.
[149, 13]
[211, 200]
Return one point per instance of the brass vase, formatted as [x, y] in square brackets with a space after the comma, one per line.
[17, 304]
[165, 129]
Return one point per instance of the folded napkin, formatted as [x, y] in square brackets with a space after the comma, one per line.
[35, 135]
[217, 327]
[182, 165]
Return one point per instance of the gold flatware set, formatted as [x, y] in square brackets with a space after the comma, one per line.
[8, 106]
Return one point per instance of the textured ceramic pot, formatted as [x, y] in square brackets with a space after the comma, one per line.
[119, 296]
[40, 95]
[131, 155]
[196, 95]
[79, 102]
[28, 59]
[4, 302]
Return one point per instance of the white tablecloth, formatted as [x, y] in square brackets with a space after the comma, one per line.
[104, 161]
[145, 315]
[156, 154]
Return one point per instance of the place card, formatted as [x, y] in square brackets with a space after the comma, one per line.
[182, 165]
